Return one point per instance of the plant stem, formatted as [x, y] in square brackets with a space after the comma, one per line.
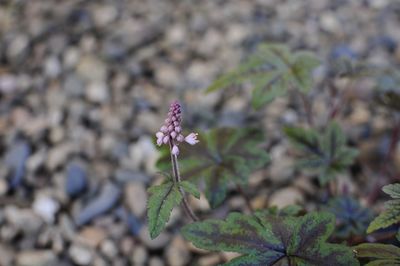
[177, 180]
[307, 108]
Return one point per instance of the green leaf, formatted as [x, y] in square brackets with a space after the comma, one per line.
[351, 218]
[271, 71]
[324, 152]
[223, 155]
[266, 239]
[163, 198]
[381, 254]
[387, 92]
[392, 190]
[391, 215]
[190, 188]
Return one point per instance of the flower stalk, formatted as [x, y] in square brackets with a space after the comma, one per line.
[171, 133]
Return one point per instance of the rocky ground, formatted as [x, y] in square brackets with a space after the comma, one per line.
[84, 85]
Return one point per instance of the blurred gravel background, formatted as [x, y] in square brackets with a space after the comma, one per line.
[84, 85]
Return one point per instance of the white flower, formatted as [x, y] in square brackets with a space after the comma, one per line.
[175, 150]
[192, 138]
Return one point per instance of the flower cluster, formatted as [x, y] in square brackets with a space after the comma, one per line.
[170, 132]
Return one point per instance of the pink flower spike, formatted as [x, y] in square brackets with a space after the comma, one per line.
[175, 150]
[159, 134]
[165, 139]
[180, 138]
[192, 138]
[164, 129]
[173, 134]
[159, 141]
[178, 129]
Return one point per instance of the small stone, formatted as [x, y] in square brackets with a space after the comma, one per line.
[126, 246]
[8, 83]
[177, 253]
[213, 259]
[155, 261]
[76, 181]
[52, 67]
[71, 57]
[109, 249]
[6, 255]
[109, 195]
[139, 256]
[3, 187]
[23, 219]
[156, 243]
[136, 198]
[97, 92]
[104, 15]
[282, 169]
[91, 68]
[58, 155]
[80, 254]
[168, 76]
[15, 159]
[91, 236]
[46, 207]
[36, 258]
[285, 197]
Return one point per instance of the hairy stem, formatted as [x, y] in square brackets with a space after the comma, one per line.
[177, 180]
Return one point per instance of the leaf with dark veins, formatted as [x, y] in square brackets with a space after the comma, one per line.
[223, 155]
[163, 198]
[272, 240]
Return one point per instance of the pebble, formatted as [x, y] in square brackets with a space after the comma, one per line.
[156, 243]
[97, 92]
[6, 255]
[109, 249]
[36, 258]
[3, 187]
[15, 159]
[136, 198]
[81, 255]
[155, 261]
[91, 236]
[76, 179]
[23, 219]
[46, 207]
[139, 256]
[102, 203]
[91, 68]
[177, 253]
[286, 196]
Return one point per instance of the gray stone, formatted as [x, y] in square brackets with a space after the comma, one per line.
[36, 258]
[106, 199]
[80, 254]
[136, 198]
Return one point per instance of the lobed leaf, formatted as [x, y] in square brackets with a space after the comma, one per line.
[222, 156]
[388, 217]
[190, 188]
[392, 190]
[266, 239]
[381, 254]
[392, 213]
[327, 153]
[163, 198]
[351, 218]
[271, 71]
